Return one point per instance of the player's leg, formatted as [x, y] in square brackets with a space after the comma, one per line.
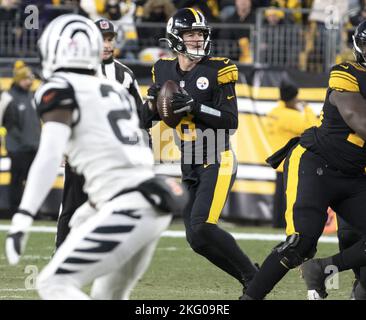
[278, 220]
[307, 200]
[18, 171]
[119, 284]
[204, 249]
[205, 237]
[100, 246]
[73, 197]
[347, 236]
[353, 256]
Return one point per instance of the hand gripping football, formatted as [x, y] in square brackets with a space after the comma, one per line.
[164, 104]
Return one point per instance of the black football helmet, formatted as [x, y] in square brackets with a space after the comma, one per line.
[184, 20]
[359, 43]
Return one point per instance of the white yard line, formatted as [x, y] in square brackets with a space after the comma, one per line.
[16, 290]
[182, 234]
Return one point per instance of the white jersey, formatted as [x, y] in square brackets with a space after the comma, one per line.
[106, 146]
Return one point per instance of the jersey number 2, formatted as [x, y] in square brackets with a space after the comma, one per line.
[114, 116]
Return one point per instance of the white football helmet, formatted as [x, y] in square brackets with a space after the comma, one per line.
[71, 42]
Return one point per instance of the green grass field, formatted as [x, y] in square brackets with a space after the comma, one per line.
[176, 272]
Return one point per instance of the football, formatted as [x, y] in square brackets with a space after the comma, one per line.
[164, 104]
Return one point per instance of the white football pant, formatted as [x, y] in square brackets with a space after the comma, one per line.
[119, 284]
[120, 236]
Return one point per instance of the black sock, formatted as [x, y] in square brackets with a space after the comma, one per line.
[270, 273]
[352, 257]
[227, 248]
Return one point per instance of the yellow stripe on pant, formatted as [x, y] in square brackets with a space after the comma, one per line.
[222, 186]
[291, 189]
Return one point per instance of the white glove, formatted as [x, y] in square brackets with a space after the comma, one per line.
[17, 236]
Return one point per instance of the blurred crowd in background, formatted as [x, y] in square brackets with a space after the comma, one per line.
[295, 33]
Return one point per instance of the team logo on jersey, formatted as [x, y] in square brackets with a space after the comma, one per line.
[202, 83]
[182, 83]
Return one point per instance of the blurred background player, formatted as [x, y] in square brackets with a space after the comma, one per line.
[23, 130]
[112, 69]
[288, 119]
[208, 105]
[120, 220]
[325, 167]
[314, 273]
[108, 287]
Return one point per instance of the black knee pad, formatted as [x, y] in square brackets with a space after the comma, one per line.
[295, 250]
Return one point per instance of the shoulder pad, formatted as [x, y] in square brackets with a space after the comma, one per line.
[165, 60]
[168, 59]
[161, 66]
[227, 71]
[56, 93]
[357, 66]
[223, 59]
[343, 77]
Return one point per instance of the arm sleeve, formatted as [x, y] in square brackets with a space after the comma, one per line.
[224, 114]
[43, 171]
[147, 116]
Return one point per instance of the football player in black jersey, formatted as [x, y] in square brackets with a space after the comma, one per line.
[210, 115]
[325, 167]
[73, 195]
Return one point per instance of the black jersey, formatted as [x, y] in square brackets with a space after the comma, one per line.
[203, 134]
[334, 140]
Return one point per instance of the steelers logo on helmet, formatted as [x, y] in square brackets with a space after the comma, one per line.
[202, 83]
[185, 20]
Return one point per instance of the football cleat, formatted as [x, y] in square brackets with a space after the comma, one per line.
[314, 276]
[354, 285]
[359, 292]
[315, 295]
[17, 236]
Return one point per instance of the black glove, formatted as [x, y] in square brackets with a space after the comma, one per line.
[183, 102]
[152, 96]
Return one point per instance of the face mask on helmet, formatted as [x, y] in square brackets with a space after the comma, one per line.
[196, 48]
[359, 46]
[185, 22]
